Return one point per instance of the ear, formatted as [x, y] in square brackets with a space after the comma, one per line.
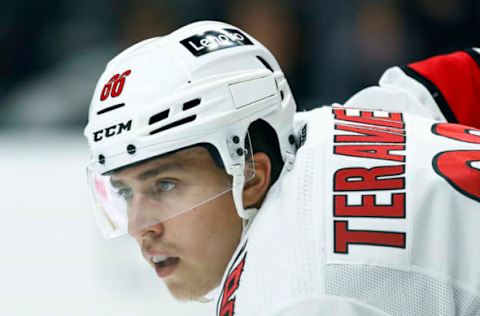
[255, 189]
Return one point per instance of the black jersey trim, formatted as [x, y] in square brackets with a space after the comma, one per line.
[474, 54]
[434, 91]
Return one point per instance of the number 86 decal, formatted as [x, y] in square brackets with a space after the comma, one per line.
[461, 168]
[114, 87]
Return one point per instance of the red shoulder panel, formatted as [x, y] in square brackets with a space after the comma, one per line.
[457, 77]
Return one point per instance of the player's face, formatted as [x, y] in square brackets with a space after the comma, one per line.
[197, 244]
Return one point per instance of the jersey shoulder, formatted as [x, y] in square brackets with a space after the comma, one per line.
[365, 216]
[443, 87]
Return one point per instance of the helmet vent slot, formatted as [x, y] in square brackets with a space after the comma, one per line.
[264, 62]
[158, 117]
[191, 104]
[174, 124]
[110, 108]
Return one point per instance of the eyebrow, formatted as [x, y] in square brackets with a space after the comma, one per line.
[150, 173]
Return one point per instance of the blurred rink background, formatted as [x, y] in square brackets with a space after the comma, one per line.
[53, 261]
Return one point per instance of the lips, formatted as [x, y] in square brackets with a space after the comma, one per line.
[166, 267]
[163, 261]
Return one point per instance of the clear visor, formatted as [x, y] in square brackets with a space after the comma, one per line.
[139, 196]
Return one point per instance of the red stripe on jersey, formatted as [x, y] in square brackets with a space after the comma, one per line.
[457, 76]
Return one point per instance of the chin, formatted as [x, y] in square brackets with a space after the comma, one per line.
[188, 292]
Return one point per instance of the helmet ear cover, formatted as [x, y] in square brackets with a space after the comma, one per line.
[264, 139]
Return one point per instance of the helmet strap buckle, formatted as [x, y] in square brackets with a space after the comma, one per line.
[289, 161]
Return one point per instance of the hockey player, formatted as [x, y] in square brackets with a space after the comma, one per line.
[198, 154]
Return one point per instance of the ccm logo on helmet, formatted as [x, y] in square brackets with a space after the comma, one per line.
[112, 130]
[211, 41]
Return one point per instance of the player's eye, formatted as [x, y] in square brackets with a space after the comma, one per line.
[125, 193]
[161, 188]
[164, 186]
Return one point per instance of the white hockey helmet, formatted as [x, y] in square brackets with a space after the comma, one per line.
[204, 83]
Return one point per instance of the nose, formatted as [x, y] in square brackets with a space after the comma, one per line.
[155, 230]
[141, 219]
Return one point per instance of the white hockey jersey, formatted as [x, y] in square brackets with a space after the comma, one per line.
[379, 216]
